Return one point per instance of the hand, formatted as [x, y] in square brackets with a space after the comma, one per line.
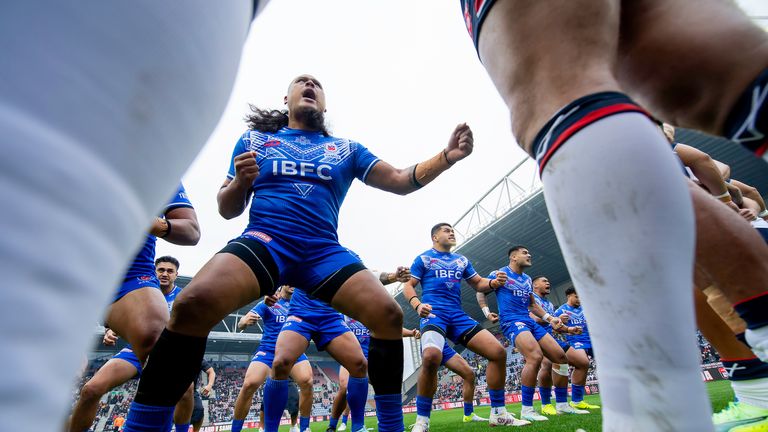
[416, 334]
[159, 227]
[110, 338]
[556, 323]
[732, 205]
[424, 310]
[575, 330]
[403, 274]
[246, 168]
[493, 317]
[270, 300]
[251, 319]
[206, 391]
[748, 214]
[564, 318]
[501, 277]
[460, 144]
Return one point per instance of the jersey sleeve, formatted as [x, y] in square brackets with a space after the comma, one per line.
[179, 200]
[417, 268]
[469, 271]
[261, 310]
[364, 162]
[559, 311]
[205, 366]
[240, 148]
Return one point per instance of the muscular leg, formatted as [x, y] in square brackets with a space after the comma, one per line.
[605, 244]
[340, 400]
[182, 414]
[289, 346]
[431, 357]
[692, 74]
[363, 298]
[580, 361]
[346, 350]
[114, 373]
[139, 317]
[460, 366]
[531, 351]
[254, 378]
[302, 376]
[486, 344]
[133, 93]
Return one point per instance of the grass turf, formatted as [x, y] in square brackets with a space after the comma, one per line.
[720, 394]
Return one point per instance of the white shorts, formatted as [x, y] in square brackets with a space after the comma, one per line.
[103, 106]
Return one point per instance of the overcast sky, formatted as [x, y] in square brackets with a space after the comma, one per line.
[399, 76]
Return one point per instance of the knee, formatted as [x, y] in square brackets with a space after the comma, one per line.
[281, 367]
[250, 386]
[534, 358]
[93, 391]
[305, 384]
[388, 320]
[431, 360]
[195, 308]
[358, 368]
[580, 363]
[142, 343]
[468, 376]
[498, 355]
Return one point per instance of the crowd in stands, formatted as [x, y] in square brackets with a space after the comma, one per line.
[229, 379]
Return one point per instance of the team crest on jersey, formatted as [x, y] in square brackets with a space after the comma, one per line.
[145, 278]
[304, 188]
[259, 235]
[450, 285]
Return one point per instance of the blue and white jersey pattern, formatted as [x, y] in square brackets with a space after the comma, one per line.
[575, 319]
[144, 263]
[513, 297]
[171, 296]
[273, 317]
[440, 275]
[304, 177]
[360, 331]
[548, 308]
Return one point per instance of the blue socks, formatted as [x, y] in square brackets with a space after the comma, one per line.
[468, 408]
[344, 418]
[423, 406]
[182, 427]
[577, 393]
[275, 399]
[237, 425]
[497, 398]
[545, 393]
[303, 423]
[528, 395]
[332, 424]
[148, 418]
[561, 394]
[357, 395]
[389, 410]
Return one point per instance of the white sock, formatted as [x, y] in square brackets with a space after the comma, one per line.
[752, 392]
[758, 340]
[422, 418]
[623, 217]
[498, 410]
[561, 405]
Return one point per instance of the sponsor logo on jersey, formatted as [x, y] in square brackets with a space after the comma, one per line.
[261, 353]
[293, 318]
[145, 278]
[259, 235]
[272, 143]
[519, 325]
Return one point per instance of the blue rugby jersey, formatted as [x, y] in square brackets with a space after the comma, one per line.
[273, 318]
[576, 319]
[360, 331]
[548, 308]
[440, 275]
[304, 177]
[144, 263]
[513, 297]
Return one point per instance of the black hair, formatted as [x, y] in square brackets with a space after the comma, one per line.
[271, 121]
[168, 259]
[437, 227]
[569, 291]
[515, 249]
[537, 278]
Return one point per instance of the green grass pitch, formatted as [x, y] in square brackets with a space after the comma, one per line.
[450, 420]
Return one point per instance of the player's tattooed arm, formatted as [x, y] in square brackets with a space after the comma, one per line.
[423, 310]
[402, 274]
[235, 194]
[247, 320]
[403, 181]
[179, 227]
[483, 303]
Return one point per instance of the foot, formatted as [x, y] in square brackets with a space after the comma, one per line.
[293, 429]
[584, 405]
[548, 409]
[342, 427]
[527, 413]
[741, 417]
[506, 419]
[474, 418]
[564, 408]
[420, 426]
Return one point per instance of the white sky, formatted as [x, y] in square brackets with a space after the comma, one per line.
[398, 75]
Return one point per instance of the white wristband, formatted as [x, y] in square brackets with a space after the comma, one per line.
[763, 213]
[724, 195]
[546, 317]
[486, 311]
